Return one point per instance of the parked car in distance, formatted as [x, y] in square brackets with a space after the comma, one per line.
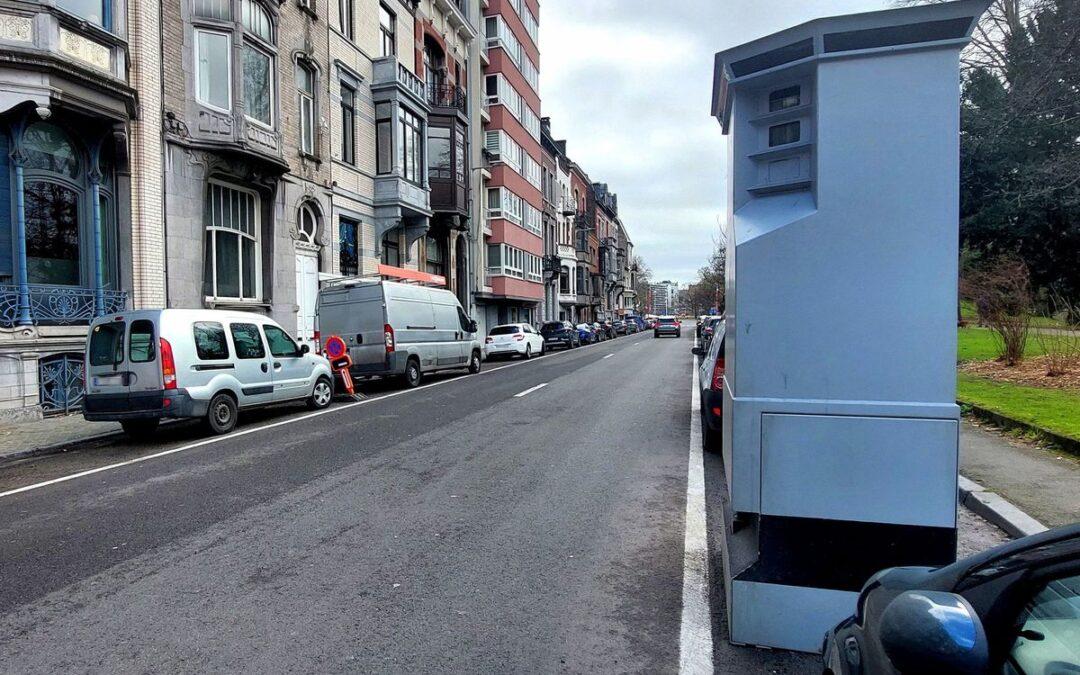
[711, 387]
[609, 328]
[619, 326]
[1012, 609]
[600, 330]
[667, 325]
[511, 339]
[399, 330]
[145, 365]
[560, 334]
[709, 329]
[586, 333]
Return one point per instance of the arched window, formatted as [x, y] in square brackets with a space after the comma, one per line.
[307, 224]
[213, 9]
[257, 20]
[231, 250]
[49, 148]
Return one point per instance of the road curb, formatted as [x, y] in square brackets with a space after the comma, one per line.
[1070, 445]
[998, 510]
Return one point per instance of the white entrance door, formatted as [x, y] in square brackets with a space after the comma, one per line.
[307, 292]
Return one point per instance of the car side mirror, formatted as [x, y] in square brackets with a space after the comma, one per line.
[305, 349]
[934, 631]
[697, 351]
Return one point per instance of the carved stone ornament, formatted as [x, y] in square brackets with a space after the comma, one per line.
[16, 28]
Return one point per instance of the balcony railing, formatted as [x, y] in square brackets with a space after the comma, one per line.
[57, 305]
[386, 70]
[447, 96]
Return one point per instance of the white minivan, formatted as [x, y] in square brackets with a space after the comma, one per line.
[145, 365]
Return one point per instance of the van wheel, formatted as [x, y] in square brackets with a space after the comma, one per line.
[221, 416]
[412, 373]
[322, 394]
[474, 362]
[140, 429]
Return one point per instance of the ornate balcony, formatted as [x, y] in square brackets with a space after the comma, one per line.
[57, 305]
[447, 96]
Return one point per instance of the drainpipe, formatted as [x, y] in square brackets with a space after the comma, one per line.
[95, 196]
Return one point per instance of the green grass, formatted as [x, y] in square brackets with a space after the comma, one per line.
[979, 344]
[1054, 410]
[968, 313]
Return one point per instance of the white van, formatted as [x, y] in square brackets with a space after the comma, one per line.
[144, 365]
[395, 329]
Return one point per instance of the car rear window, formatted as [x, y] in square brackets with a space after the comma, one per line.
[210, 343]
[548, 327]
[667, 321]
[504, 330]
[141, 341]
[107, 344]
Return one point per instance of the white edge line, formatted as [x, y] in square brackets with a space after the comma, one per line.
[245, 432]
[608, 356]
[530, 390]
[695, 634]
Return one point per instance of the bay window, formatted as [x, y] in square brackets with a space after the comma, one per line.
[213, 62]
[258, 85]
[231, 252]
[384, 138]
[97, 12]
[411, 148]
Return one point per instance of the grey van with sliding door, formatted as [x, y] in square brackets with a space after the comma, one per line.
[400, 330]
[146, 365]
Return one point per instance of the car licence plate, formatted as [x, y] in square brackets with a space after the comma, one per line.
[107, 380]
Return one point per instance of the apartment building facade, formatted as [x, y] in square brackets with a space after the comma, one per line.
[79, 225]
[512, 183]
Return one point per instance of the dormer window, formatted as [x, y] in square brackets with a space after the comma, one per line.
[782, 99]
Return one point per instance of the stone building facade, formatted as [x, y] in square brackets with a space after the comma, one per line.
[247, 199]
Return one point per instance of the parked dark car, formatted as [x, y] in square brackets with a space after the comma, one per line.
[600, 330]
[609, 329]
[667, 325]
[619, 326]
[711, 386]
[560, 334]
[632, 326]
[1013, 609]
[709, 328]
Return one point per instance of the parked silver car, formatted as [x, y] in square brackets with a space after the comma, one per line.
[146, 365]
[395, 329]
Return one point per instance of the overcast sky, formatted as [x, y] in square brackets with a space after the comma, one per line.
[628, 84]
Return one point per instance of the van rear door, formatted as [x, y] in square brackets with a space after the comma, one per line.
[145, 388]
[106, 376]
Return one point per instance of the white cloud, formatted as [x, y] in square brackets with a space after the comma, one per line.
[628, 84]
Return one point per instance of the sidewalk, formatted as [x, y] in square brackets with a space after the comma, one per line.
[1043, 483]
[18, 439]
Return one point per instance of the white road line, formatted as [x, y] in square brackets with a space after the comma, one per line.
[530, 390]
[251, 430]
[695, 635]
[608, 356]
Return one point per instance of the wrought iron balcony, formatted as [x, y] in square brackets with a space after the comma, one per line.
[57, 305]
[447, 96]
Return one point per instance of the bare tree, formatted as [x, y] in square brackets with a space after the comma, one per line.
[1001, 291]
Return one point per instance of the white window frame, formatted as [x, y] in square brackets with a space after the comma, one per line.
[256, 237]
[257, 46]
[307, 111]
[228, 69]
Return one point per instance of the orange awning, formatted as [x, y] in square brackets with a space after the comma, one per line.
[411, 275]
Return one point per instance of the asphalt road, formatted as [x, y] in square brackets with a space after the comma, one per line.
[454, 527]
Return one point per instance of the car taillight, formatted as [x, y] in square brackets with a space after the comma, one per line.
[388, 338]
[317, 337]
[718, 375]
[168, 365]
[519, 337]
